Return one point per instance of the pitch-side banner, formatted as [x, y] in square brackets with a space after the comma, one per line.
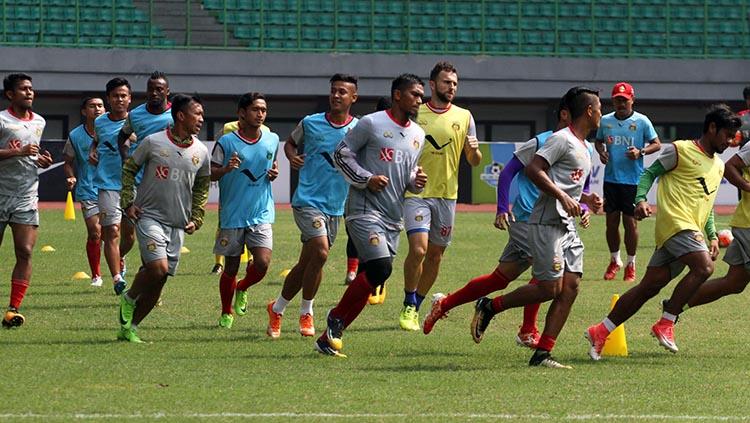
[496, 154]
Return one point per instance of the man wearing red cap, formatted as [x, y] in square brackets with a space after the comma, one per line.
[623, 138]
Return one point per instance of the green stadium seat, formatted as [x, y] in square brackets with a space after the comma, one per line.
[246, 32]
[388, 21]
[213, 4]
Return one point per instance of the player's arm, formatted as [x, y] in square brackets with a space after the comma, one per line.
[471, 145]
[217, 162]
[68, 168]
[130, 168]
[292, 146]
[536, 171]
[647, 179]
[14, 149]
[200, 198]
[503, 215]
[734, 167]
[123, 139]
[345, 157]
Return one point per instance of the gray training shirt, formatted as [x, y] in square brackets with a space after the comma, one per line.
[18, 175]
[379, 146]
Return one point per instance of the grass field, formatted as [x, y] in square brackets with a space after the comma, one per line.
[65, 364]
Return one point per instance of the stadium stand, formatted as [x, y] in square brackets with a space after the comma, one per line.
[619, 28]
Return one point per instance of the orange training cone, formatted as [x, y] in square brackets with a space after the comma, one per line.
[616, 345]
[70, 211]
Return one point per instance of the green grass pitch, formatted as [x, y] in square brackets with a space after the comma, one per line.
[65, 363]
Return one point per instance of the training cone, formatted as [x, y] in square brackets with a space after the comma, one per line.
[616, 345]
[184, 250]
[48, 249]
[70, 211]
[284, 272]
[77, 276]
[244, 256]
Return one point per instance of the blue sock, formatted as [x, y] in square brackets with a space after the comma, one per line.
[420, 298]
[410, 298]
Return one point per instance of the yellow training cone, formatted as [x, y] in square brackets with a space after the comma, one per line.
[244, 256]
[80, 276]
[184, 250]
[616, 345]
[70, 211]
[47, 249]
[284, 272]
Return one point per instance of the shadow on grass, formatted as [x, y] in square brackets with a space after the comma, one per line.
[426, 367]
[85, 306]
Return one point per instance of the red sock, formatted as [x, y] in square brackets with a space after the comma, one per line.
[227, 285]
[497, 304]
[94, 254]
[546, 343]
[476, 288]
[17, 292]
[252, 277]
[353, 300]
[352, 264]
[530, 313]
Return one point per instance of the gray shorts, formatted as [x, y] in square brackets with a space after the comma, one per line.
[738, 252]
[373, 239]
[89, 208]
[110, 212]
[21, 210]
[556, 249]
[681, 243]
[232, 242]
[158, 241]
[314, 223]
[517, 249]
[435, 216]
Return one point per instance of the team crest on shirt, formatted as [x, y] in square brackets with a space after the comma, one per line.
[556, 264]
[151, 246]
[196, 159]
[374, 239]
[269, 155]
[633, 127]
[608, 126]
[698, 236]
[223, 242]
[456, 126]
[388, 134]
[164, 153]
[317, 224]
[419, 218]
[38, 132]
[415, 143]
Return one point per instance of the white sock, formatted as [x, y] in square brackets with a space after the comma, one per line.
[306, 307]
[631, 259]
[279, 307]
[616, 257]
[134, 327]
[608, 324]
[128, 298]
[669, 316]
[117, 278]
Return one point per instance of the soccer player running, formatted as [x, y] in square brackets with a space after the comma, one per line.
[318, 201]
[244, 163]
[171, 201]
[20, 133]
[559, 169]
[379, 159]
[79, 174]
[429, 215]
[105, 155]
[516, 257]
[627, 136]
[149, 118]
[689, 172]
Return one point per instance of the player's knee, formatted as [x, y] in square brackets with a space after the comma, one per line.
[549, 289]
[23, 252]
[320, 255]
[434, 256]
[703, 270]
[378, 271]
[261, 264]
[417, 251]
[157, 270]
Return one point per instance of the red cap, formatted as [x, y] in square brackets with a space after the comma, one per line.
[623, 89]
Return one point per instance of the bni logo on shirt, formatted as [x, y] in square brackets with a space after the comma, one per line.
[386, 154]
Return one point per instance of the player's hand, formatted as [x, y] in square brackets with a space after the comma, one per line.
[642, 210]
[93, 157]
[28, 149]
[44, 160]
[502, 220]
[420, 179]
[593, 200]
[571, 206]
[273, 172]
[604, 157]
[713, 249]
[70, 182]
[472, 142]
[234, 162]
[133, 212]
[190, 228]
[586, 219]
[633, 153]
[377, 183]
[297, 161]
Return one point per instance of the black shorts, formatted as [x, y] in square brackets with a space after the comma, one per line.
[619, 198]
